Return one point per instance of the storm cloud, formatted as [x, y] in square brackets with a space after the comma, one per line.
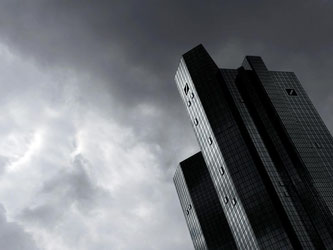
[92, 126]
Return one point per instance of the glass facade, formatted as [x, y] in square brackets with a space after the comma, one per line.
[267, 151]
[201, 205]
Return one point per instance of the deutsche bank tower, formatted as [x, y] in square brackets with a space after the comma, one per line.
[264, 176]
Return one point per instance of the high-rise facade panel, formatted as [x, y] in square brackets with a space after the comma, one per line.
[206, 221]
[266, 149]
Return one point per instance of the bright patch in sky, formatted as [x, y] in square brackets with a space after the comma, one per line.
[71, 176]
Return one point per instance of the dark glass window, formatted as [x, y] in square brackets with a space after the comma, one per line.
[186, 89]
[196, 122]
[210, 141]
[291, 92]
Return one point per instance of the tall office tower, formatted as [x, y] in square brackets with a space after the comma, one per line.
[263, 179]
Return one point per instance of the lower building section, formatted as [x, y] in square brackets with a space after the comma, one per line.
[202, 209]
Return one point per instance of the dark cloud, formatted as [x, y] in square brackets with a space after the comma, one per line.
[135, 46]
[75, 185]
[13, 236]
[69, 187]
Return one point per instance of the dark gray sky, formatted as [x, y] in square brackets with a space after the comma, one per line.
[91, 123]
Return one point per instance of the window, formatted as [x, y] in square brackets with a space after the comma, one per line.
[192, 95]
[226, 200]
[188, 103]
[186, 89]
[210, 141]
[196, 122]
[189, 207]
[233, 202]
[222, 171]
[291, 92]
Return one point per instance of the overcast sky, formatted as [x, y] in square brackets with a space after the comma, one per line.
[91, 124]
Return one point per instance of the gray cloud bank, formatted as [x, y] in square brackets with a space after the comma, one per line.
[92, 124]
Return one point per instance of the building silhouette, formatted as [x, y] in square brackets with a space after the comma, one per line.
[263, 178]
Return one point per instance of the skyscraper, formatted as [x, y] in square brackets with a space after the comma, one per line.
[263, 179]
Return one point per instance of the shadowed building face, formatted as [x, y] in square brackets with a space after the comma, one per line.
[267, 152]
[201, 206]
